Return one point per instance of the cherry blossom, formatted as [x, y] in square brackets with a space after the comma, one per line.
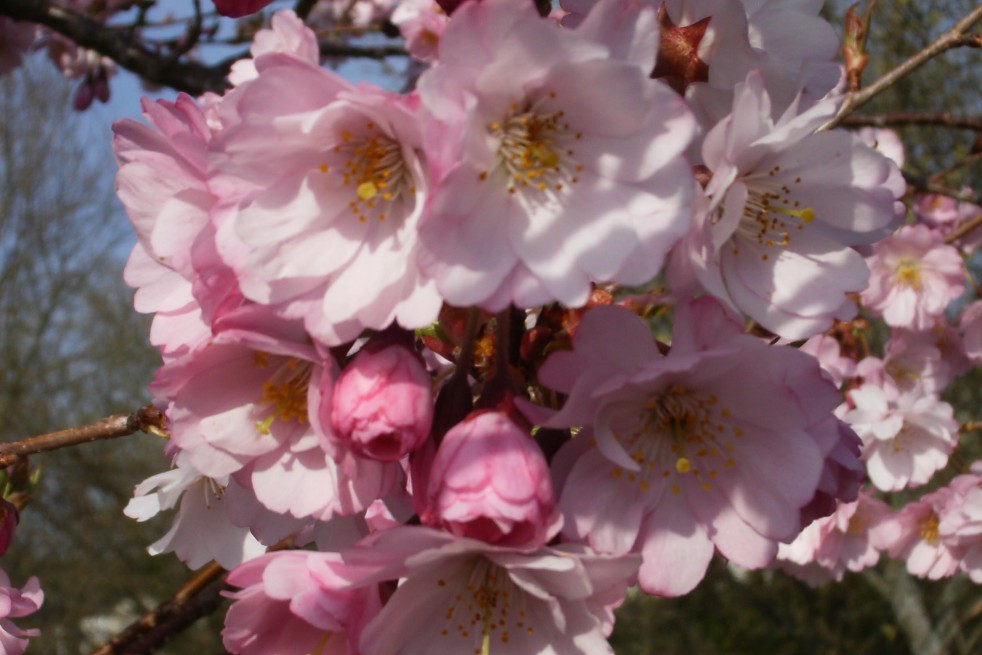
[421, 23]
[330, 236]
[913, 536]
[687, 460]
[14, 604]
[556, 161]
[849, 539]
[462, 595]
[971, 325]
[295, 603]
[914, 277]
[784, 205]
[961, 523]
[286, 34]
[202, 530]
[906, 436]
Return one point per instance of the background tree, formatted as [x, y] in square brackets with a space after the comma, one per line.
[72, 351]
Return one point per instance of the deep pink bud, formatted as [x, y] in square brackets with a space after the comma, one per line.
[237, 8]
[490, 481]
[9, 517]
[383, 403]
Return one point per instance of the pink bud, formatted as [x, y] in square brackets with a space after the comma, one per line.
[383, 403]
[237, 8]
[490, 481]
[9, 517]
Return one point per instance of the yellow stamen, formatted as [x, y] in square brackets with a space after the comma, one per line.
[367, 190]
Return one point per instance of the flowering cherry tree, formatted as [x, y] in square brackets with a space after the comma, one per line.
[586, 307]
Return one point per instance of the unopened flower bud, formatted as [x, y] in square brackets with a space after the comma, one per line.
[9, 517]
[490, 481]
[382, 404]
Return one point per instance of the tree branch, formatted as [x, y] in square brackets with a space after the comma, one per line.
[966, 226]
[944, 119]
[189, 76]
[169, 66]
[956, 36]
[198, 597]
[148, 419]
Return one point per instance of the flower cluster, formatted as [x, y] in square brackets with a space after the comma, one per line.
[414, 332]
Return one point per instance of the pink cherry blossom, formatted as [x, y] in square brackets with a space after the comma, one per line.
[849, 539]
[907, 436]
[971, 327]
[296, 603]
[382, 405]
[462, 595]
[785, 203]
[913, 536]
[915, 276]
[421, 23]
[286, 34]
[885, 141]
[910, 359]
[170, 189]
[960, 523]
[14, 604]
[330, 237]
[827, 351]
[946, 214]
[692, 454]
[557, 162]
[230, 403]
[490, 481]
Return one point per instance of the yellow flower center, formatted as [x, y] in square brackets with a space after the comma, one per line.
[535, 148]
[373, 166]
[908, 273]
[284, 394]
[771, 215]
[682, 434]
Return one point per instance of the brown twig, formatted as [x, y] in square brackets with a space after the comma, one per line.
[943, 119]
[198, 597]
[190, 76]
[966, 226]
[956, 36]
[148, 419]
[971, 426]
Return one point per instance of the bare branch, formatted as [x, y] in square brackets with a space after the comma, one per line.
[194, 33]
[944, 119]
[330, 49]
[148, 419]
[956, 36]
[190, 76]
[963, 229]
[199, 597]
